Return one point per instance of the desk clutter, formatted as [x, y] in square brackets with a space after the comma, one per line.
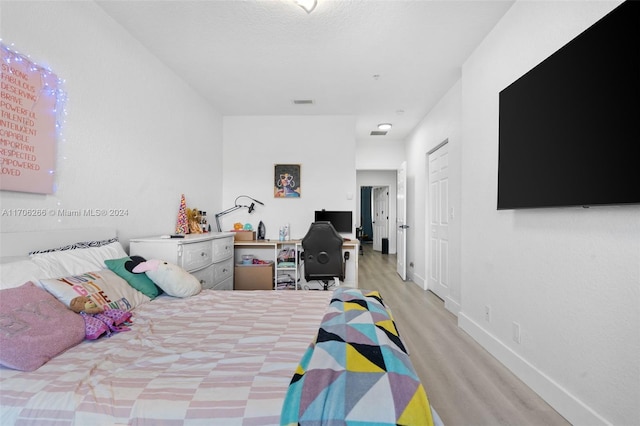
[249, 259]
[287, 266]
[287, 257]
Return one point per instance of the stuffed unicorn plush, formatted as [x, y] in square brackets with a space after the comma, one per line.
[171, 278]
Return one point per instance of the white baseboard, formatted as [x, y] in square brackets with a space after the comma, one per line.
[449, 304]
[417, 280]
[570, 407]
[452, 306]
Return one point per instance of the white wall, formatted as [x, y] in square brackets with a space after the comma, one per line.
[443, 123]
[324, 146]
[383, 154]
[569, 276]
[136, 136]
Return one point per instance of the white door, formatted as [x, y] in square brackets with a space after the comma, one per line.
[380, 201]
[401, 222]
[438, 230]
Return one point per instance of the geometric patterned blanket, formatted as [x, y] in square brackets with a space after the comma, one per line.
[357, 371]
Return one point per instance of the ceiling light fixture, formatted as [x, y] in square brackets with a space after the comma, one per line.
[302, 101]
[307, 5]
[384, 126]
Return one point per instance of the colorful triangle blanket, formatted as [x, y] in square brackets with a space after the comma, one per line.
[357, 371]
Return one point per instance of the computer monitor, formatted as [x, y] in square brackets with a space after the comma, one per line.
[342, 221]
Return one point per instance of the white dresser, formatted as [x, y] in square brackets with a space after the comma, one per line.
[209, 257]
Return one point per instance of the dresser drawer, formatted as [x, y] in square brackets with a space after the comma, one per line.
[223, 270]
[222, 249]
[225, 285]
[205, 276]
[196, 255]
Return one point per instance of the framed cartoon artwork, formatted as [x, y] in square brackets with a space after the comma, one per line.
[287, 181]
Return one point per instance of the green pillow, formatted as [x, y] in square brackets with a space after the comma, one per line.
[140, 282]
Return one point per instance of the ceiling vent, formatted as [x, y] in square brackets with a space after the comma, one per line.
[378, 133]
[303, 101]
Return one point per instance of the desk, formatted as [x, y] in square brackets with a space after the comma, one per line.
[271, 248]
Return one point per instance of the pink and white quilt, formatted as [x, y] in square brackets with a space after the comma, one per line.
[219, 358]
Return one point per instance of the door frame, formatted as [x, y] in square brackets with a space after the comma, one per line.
[401, 220]
[376, 178]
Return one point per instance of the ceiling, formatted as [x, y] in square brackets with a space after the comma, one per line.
[378, 60]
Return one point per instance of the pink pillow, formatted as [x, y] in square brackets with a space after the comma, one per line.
[35, 327]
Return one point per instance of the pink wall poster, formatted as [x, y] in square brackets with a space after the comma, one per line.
[30, 98]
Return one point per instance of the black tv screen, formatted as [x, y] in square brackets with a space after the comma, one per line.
[569, 128]
[341, 220]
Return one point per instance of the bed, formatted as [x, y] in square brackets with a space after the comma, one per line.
[219, 357]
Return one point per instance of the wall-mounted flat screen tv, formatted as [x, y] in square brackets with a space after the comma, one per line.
[342, 221]
[569, 129]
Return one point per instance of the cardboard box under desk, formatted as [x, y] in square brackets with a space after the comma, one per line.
[253, 277]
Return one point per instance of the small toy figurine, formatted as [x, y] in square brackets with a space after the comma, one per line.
[193, 220]
[84, 304]
[97, 321]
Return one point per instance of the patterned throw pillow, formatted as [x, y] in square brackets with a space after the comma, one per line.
[103, 287]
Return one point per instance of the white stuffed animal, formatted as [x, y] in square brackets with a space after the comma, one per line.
[171, 278]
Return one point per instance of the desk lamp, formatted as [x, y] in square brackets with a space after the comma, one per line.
[237, 206]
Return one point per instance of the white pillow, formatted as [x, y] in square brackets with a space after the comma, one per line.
[79, 261]
[14, 274]
[78, 245]
[104, 287]
[171, 278]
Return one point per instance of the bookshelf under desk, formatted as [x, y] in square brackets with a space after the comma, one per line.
[269, 250]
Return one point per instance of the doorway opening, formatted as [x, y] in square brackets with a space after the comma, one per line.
[374, 216]
[366, 218]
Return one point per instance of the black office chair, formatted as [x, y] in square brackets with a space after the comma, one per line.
[322, 254]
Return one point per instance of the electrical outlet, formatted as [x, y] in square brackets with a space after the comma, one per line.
[487, 314]
[516, 332]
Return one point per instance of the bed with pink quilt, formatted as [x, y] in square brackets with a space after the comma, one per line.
[216, 358]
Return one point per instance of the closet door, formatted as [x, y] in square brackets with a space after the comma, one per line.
[438, 230]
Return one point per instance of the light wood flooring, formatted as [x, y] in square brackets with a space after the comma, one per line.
[465, 384]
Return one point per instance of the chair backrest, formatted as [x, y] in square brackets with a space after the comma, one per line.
[322, 248]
